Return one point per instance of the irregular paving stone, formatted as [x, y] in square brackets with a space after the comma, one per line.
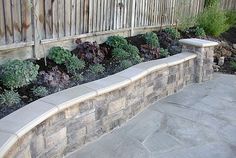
[228, 133]
[161, 142]
[114, 145]
[213, 150]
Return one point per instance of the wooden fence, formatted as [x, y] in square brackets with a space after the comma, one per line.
[33, 24]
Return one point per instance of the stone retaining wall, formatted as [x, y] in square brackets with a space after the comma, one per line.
[63, 122]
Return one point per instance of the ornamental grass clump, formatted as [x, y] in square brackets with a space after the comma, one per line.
[213, 20]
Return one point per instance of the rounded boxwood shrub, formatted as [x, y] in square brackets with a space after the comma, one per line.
[200, 32]
[9, 98]
[74, 64]
[133, 53]
[120, 54]
[124, 64]
[17, 73]
[116, 41]
[97, 69]
[174, 33]
[59, 55]
[152, 39]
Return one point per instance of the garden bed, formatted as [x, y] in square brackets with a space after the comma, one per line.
[100, 60]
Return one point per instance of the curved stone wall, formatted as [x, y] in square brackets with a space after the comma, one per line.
[62, 122]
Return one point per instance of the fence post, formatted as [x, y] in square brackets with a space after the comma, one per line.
[132, 17]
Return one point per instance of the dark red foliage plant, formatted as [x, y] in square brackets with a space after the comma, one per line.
[54, 78]
[90, 52]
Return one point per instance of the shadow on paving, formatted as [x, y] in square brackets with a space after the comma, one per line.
[198, 122]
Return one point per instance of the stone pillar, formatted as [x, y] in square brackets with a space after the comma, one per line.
[204, 61]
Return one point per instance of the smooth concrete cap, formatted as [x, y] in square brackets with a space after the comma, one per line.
[68, 97]
[133, 73]
[108, 84]
[23, 120]
[152, 66]
[198, 42]
[174, 60]
[188, 56]
[7, 140]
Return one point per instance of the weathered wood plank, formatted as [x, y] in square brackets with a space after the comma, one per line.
[61, 17]
[2, 25]
[77, 17]
[67, 6]
[8, 21]
[55, 23]
[16, 20]
[72, 18]
[48, 18]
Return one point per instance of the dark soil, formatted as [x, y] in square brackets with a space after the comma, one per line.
[230, 35]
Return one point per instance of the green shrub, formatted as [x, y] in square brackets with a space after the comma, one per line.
[233, 65]
[9, 98]
[16, 73]
[187, 22]
[152, 39]
[200, 32]
[231, 17]
[124, 64]
[164, 53]
[209, 3]
[59, 55]
[116, 41]
[133, 53]
[78, 78]
[174, 33]
[120, 54]
[213, 20]
[97, 69]
[73, 64]
[40, 91]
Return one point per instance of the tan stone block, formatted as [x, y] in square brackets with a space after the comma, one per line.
[37, 145]
[88, 118]
[116, 106]
[148, 91]
[56, 138]
[25, 153]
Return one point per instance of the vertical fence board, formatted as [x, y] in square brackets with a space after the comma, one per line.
[55, 23]
[77, 17]
[48, 18]
[72, 18]
[26, 20]
[8, 21]
[61, 17]
[16, 22]
[67, 17]
[2, 25]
